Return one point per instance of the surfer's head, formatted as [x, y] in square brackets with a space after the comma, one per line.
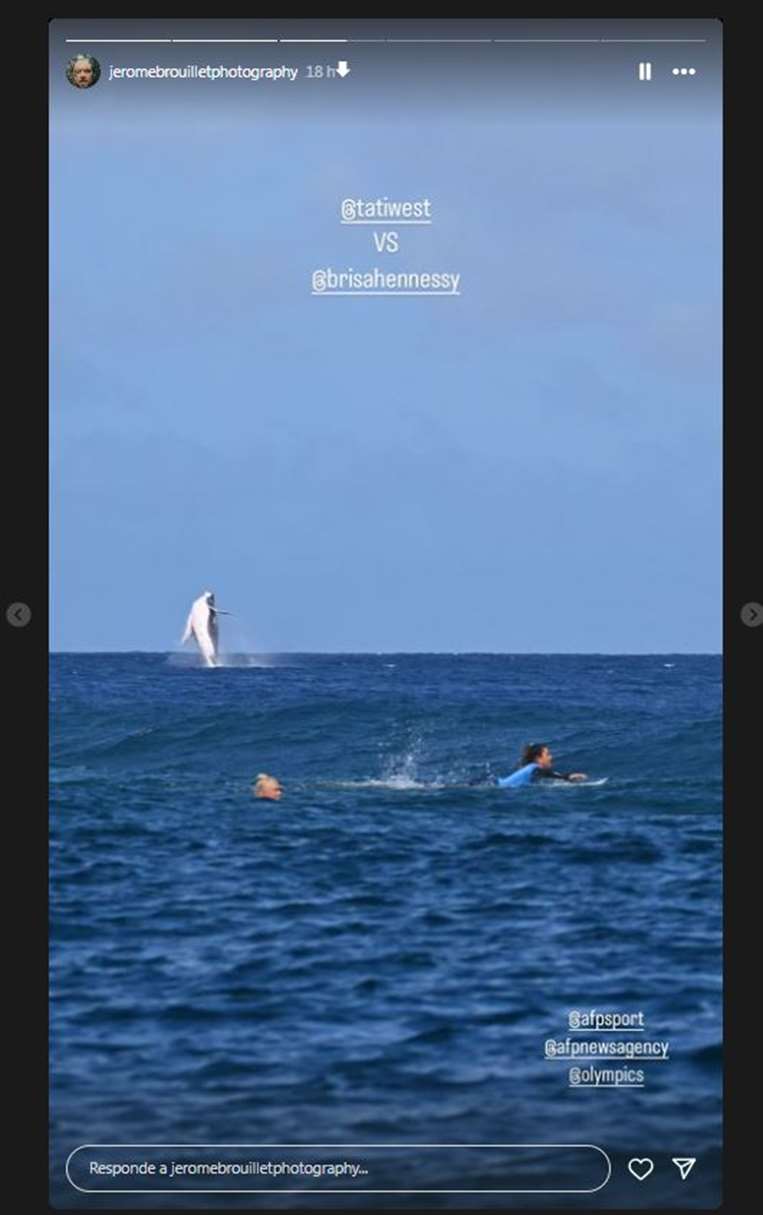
[537, 753]
[268, 787]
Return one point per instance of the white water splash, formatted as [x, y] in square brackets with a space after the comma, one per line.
[400, 772]
[398, 782]
[194, 662]
[246, 660]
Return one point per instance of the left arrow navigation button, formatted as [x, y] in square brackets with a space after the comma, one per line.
[18, 615]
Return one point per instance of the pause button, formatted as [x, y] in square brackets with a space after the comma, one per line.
[645, 71]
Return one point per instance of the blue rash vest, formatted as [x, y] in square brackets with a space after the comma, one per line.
[523, 776]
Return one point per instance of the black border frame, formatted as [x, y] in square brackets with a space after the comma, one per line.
[26, 652]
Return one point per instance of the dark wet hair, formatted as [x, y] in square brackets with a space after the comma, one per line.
[532, 752]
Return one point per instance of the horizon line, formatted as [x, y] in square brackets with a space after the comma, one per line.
[419, 653]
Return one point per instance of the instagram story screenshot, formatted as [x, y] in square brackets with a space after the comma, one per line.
[386, 618]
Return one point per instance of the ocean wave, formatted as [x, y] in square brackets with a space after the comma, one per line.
[388, 945]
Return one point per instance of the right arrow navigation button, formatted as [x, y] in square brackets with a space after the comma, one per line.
[684, 1164]
[752, 615]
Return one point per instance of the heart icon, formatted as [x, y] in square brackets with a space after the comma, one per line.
[640, 1167]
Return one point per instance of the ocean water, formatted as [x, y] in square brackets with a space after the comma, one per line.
[380, 957]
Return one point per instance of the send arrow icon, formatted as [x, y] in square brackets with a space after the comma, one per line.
[684, 1164]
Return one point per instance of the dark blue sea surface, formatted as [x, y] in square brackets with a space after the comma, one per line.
[380, 957]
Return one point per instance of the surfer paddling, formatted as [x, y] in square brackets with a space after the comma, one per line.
[536, 764]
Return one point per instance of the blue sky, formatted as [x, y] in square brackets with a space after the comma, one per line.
[532, 466]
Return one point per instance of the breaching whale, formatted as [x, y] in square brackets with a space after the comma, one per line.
[202, 625]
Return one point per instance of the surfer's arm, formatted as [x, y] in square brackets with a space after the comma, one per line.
[549, 772]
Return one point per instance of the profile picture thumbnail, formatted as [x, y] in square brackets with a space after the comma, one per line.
[83, 71]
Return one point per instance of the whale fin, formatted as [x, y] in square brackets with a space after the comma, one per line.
[188, 629]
